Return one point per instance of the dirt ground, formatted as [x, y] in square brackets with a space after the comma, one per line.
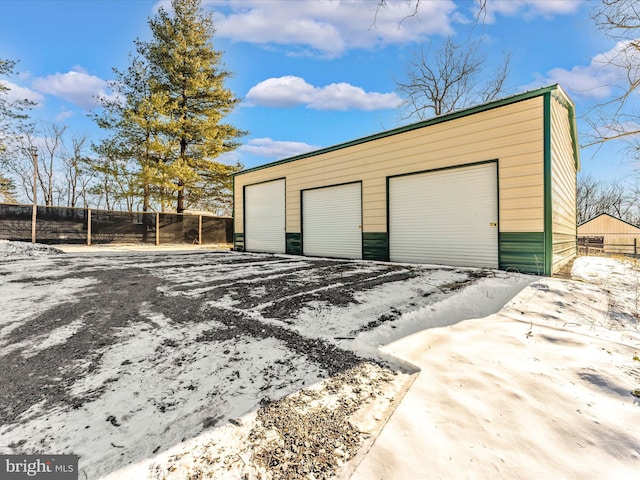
[85, 324]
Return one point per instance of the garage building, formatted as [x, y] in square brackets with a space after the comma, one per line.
[608, 234]
[490, 186]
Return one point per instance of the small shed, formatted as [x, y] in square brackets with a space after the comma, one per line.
[490, 186]
[608, 234]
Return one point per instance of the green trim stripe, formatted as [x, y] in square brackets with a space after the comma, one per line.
[238, 241]
[294, 243]
[375, 246]
[522, 251]
[233, 204]
[414, 126]
[548, 195]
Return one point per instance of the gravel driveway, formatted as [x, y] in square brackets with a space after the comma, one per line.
[117, 356]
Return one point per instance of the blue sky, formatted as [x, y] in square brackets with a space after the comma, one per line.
[311, 73]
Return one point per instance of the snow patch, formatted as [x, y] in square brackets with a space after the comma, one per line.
[23, 249]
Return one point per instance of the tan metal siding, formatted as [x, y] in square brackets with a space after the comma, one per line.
[605, 225]
[614, 231]
[511, 134]
[563, 186]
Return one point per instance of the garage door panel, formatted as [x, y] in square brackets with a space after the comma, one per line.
[445, 217]
[332, 221]
[265, 217]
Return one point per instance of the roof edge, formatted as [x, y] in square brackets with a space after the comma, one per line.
[609, 215]
[571, 109]
[425, 123]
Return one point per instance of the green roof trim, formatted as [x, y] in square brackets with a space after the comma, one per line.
[441, 119]
[566, 102]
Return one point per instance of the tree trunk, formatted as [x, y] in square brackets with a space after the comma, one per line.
[180, 206]
[183, 151]
[145, 210]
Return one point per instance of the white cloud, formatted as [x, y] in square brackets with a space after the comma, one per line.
[585, 81]
[64, 115]
[16, 92]
[528, 8]
[289, 91]
[343, 96]
[266, 147]
[330, 27]
[605, 73]
[75, 86]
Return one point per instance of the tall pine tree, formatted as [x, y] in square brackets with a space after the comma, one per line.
[135, 146]
[13, 112]
[13, 121]
[187, 83]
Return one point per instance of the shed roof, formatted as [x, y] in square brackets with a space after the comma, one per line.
[556, 89]
[630, 227]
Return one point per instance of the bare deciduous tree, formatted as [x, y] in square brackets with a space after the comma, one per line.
[49, 152]
[595, 197]
[441, 81]
[61, 176]
[586, 198]
[13, 120]
[21, 165]
[481, 9]
[619, 117]
[77, 174]
[116, 179]
[13, 112]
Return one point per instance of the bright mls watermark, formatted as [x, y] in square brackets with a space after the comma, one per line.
[49, 467]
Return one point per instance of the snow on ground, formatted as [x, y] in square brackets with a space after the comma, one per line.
[120, 356]
[545, 388]
[538, 388]
[19, 249]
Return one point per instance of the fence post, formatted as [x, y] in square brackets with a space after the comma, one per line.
[199, 229]
[88, 226]
[34, 213]
[157, 228]
[635, 247]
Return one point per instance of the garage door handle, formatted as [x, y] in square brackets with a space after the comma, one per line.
[493, 224]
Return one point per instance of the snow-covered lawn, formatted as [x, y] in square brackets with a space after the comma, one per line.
[546, 388]
[227, 365]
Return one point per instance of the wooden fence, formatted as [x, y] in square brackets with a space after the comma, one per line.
[595, 245]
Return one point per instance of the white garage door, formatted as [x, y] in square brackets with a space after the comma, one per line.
[332, 221]
[447, 217]
[264, 221]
